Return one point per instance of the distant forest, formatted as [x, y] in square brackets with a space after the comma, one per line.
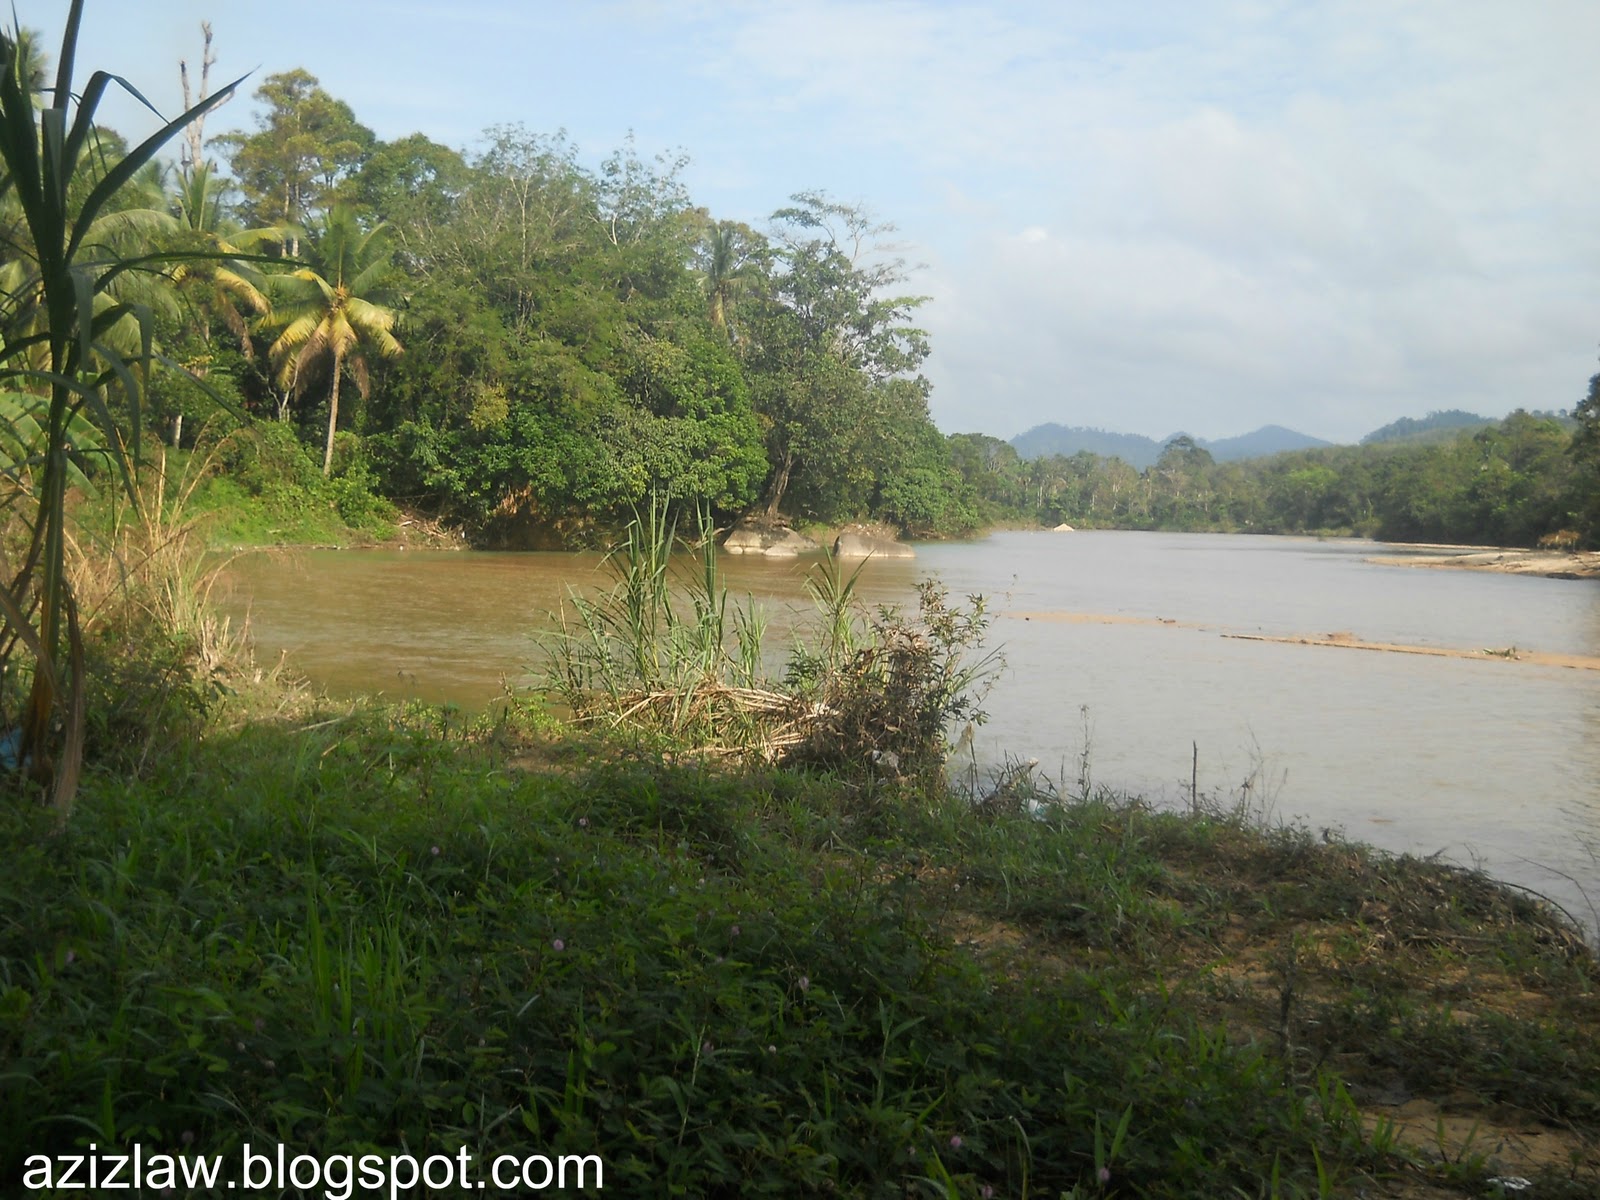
[1513, 482]
[1142, 452]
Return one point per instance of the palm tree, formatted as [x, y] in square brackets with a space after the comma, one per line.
[222, 286]
[213, 285]
[339, 313]
[728, 260]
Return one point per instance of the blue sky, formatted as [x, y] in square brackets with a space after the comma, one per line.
[1200, 215]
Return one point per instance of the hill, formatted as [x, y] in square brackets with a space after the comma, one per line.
[1269, 439]
[1439, 426]
[1044, 440]
[1139, 451]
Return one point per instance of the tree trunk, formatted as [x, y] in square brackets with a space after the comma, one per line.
[333, 415]
[780, 482]
[194, 133]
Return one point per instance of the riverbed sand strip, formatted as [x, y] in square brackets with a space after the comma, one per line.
[1579, 662]
[1085, 618]
[1549, 563]
[1348, 641]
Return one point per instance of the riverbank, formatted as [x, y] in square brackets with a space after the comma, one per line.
[342, 926]
[1553, 564]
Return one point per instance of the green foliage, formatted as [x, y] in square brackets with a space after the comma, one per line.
[265, 489]
[409, 182]
[369, 932]
[1436, 426]
[661, 654]
[64, 334]
[306, 145]
[889, 692]
[834, 361]
[1586, 463]
[582, 337]
[158, 655]
[1510, 483]
[563, 364]
[669, 659]
[689, 429]
[329, 318]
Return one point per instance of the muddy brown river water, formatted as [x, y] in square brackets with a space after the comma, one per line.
[1276, 657]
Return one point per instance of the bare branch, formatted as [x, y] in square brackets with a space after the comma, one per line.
[194, 148]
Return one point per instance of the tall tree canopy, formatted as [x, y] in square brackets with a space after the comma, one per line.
[833, 353]
[306, 144]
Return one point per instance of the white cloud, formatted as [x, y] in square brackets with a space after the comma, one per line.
[1225, 214]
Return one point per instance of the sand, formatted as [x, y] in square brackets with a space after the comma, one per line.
[1556, 564]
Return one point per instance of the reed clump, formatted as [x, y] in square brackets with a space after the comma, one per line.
[665, 655]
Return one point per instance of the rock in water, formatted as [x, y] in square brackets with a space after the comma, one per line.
[863, 545]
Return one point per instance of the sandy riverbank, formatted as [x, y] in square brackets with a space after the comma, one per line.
[1556, 564]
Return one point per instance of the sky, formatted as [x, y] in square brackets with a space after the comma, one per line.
[1197, 215]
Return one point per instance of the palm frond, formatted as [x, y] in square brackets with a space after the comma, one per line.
[371, 319]
[294, 334]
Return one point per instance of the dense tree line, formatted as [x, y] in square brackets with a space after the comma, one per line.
[1511, 483]
[531, 346]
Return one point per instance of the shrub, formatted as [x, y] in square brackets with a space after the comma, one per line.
[889, 699]
[671, 660]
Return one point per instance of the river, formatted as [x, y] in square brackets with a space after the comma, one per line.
[1130, 655]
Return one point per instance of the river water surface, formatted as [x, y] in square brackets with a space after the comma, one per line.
[1121, 653]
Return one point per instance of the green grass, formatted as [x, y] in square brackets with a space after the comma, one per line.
[251, 486]
[379, 928]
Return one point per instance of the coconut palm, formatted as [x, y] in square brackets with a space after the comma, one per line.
[336, 315]
[728, 260]
[221, 286]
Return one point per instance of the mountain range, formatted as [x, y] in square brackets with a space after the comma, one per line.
[1139, 451]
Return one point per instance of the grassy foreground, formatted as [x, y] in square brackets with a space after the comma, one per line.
[378, 929]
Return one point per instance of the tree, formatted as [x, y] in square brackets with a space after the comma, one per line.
[1585, 494]
[305, 145]
[828, 338]
[633, 198]
[210, 288]
[730, 256]
[193, 154]
[335, 316]
[523, 215]
[838, 273]
[221, 286]
[411, 184]
[1183, 471]
[685, 429]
